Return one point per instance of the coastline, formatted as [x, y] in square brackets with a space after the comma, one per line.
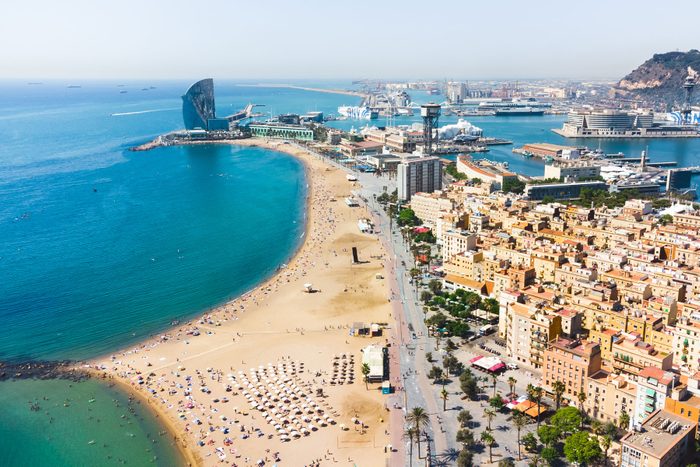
[188, 455]
[311, 165]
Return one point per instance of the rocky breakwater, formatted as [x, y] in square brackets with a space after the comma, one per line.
[42, 370]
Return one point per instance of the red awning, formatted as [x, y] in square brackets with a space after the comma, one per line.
[497, 367]
[476, 358]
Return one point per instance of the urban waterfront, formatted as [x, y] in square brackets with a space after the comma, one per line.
[181, 228]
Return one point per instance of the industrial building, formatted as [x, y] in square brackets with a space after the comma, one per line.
[421, 174]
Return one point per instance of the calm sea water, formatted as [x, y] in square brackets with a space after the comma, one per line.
[102, 247]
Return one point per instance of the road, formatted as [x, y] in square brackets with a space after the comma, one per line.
[409, 367]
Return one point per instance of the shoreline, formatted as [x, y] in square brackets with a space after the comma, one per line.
[303, 249]
[188, 455]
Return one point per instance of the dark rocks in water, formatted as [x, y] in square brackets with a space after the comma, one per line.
[42, 370]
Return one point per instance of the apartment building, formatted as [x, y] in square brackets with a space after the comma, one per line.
[570, 361]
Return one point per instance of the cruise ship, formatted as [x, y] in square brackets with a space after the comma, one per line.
[358, 113]
[514, 107]
[611, 123]
[518, 111]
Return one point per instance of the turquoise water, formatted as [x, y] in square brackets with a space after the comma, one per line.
[69, 430]
[102, 247]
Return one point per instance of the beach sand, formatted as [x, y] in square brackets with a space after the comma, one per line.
[290, 338]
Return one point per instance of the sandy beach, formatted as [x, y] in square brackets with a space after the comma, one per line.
[274, 375]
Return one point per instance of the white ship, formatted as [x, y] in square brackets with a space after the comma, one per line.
[358, 113]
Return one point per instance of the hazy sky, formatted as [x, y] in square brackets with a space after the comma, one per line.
[339, 39]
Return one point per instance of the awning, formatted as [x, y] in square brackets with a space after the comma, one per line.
[476, 358]
[497, 367]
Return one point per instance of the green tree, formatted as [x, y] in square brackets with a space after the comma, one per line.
[444, 395]
[519, 421]
[558, 388]
[419, 420]
[450, 345]
[581, 396]
[548, 434]
[494, 380]
[529, 442]
[488, 439]
[429, 356]
[624, 421]
[548, 199]
[605, 443]
[537, 460]
[407, 217]
[511, 384]
[496, 402]
[452, 365]
[535, 394]
[465, 458]
[426, 296]
[465, 437]
[566, 420]
[581, 448]
[435, 286]
[491, 305]
[464, 417]
[435, 374]
[549, 454]
[410, 434]
[507, 462]
[489, 415]
[467, 384]
[666, 219]
[365, 374]
[513, 185]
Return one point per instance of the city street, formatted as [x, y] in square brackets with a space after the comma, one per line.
[409, 366]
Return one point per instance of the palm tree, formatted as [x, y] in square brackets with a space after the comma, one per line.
[624, 421]
[494, 378]
[519, 421]
[581, 399]
[488, 440]
[605, 443]
[511, 383]
[418, 419]
[365, 373]
[534, 394]
[410, 435]
[489, 414]
[444, 395]
[558, 387]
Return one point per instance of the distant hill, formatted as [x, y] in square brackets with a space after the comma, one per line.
[659, 80]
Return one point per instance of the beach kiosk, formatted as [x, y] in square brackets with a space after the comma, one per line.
[386, 387]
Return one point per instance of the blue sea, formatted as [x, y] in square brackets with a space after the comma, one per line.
[102, 247]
